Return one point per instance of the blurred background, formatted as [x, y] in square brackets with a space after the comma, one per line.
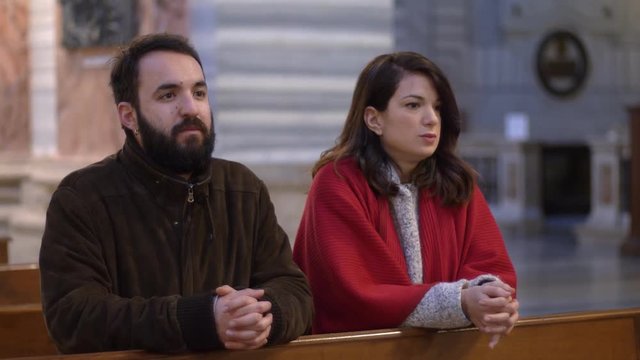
[548, 90]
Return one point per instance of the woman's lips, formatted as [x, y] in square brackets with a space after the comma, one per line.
[430, 138]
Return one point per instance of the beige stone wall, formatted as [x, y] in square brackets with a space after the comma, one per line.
[87, 120]
[14, 78]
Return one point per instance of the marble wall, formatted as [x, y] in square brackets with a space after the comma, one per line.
[14, 77]
[87, 120]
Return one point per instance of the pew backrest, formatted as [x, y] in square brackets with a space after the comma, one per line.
[19, 284]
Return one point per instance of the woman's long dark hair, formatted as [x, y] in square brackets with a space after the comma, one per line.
[447, 175]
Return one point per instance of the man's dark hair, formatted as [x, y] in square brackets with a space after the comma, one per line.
[124, 71]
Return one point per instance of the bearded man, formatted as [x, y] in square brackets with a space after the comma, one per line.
[160, 246]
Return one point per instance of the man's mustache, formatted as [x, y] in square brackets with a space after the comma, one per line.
[189, 122]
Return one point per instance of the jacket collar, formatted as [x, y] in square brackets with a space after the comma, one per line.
[159, 181]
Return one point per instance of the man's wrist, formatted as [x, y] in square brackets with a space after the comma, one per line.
[214, 302]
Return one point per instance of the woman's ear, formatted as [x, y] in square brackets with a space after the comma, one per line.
[128, 116]
[372, 120]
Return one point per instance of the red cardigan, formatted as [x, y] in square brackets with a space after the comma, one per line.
[348, 247]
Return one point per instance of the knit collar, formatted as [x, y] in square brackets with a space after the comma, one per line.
[393, 176]
[405, 217]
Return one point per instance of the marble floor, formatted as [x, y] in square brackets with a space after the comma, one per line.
[557, 274]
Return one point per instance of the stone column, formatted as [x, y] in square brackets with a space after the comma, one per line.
[605, 219]
[42, 37]
[632, 244]
[519, 186]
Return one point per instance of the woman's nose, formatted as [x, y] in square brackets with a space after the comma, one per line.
[431, 116]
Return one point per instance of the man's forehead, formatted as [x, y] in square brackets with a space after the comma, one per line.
[169, 67]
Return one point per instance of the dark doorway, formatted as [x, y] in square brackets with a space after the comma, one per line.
[566, 176]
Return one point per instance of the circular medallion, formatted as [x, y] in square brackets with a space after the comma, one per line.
[562, 64]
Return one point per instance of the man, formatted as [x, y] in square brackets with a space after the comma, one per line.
[159, 246]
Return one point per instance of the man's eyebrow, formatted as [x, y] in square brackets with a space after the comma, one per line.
[167, 86]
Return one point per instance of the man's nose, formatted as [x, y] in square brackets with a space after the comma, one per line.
[189, 106]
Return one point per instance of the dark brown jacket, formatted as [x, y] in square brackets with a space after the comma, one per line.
[127, 261]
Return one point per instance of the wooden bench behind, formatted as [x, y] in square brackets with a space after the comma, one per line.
[4, 249]
[19, 284]
[22, 328]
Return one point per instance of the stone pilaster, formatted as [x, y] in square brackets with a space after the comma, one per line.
[43, 80]
[631, 246]
[519, 186]
[605, 220]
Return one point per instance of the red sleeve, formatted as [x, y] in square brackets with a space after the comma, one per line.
[485, 251]
[358, 280]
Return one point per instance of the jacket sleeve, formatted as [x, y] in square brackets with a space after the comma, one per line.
[82, 311]
[285, 285]
[356, 281]
[484, 250]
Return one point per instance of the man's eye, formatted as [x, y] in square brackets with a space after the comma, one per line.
[167, 96]
[200, 94]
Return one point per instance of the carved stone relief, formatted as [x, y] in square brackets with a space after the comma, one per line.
[94, 23]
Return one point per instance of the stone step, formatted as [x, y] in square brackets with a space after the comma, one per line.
[288, 59]
[272, 135]
[257, 139]
[281, 92]
[327, 14]
[277, 121]
[278, 131]
[305, 37]
[273, 156]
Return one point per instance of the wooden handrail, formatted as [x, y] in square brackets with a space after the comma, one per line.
[603, 335]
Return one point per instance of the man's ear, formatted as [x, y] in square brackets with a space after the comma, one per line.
[128, 116]
[372, 120]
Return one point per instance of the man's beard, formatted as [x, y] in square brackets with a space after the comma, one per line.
[165, 151]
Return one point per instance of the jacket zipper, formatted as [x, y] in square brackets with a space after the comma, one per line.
[190, 198]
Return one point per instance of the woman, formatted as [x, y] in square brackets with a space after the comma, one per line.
[395, 231]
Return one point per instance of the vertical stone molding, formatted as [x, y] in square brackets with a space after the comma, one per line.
[43, 82]
[631, 246]
[605, 220]
[519, 186]
[516, 203]
[14, 77]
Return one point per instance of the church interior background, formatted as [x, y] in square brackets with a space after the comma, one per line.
[546, 88]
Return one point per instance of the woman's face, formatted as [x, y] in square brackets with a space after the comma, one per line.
[409, 128]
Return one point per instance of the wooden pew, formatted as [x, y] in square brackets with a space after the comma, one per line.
[23, 332]
[4, 249]
[22, 328]
[602, 335]
[19, 284]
